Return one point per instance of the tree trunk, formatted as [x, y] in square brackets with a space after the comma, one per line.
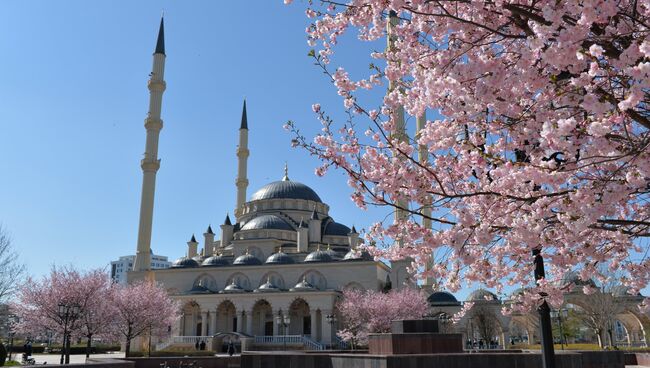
[88, 345]
[127, 347]
[601, 342]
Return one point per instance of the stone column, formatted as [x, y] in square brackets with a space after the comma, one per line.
[213, 324]
[240, 321]
[314, 324]
[326, 328]
[249, 323]
[204, 323]
[276, 330]
[181, 321]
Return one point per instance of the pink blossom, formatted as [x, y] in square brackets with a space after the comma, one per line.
[539, 138]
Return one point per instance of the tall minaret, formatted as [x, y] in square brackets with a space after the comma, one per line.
[242, 163]
[399, 274]
[150, 163]
[423, 158]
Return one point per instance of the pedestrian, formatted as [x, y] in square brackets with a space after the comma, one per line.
[231, 348]
[202, 345]
[29, 348]
[196, 345]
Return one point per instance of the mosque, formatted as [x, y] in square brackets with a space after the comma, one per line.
[280, 263]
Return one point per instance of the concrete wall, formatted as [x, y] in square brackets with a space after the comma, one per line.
[173, 362]
[609, 359]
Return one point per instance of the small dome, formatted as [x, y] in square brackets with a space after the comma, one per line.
[215, 261]
[358, 255]
[572, 277]
[318, 256]
[279, 258]
[184, 262]
[247, 260]
[199, 289]
[267, 287]
[334, 254]
[334, 228]
[286, 189]
[198, 259]
[267, 222]
[482, 295]
[303, 285]
[442, 298]
[233, 288]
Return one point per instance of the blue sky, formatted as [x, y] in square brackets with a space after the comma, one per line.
[73, 98]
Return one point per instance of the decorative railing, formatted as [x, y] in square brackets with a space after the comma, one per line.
[191, 340]
[341, 344]
[290, 339]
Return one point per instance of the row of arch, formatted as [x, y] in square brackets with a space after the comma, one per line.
[313, 277]
[262, 319]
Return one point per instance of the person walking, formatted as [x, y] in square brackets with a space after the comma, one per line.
[202, 345]
[196, 345]
[231, 348]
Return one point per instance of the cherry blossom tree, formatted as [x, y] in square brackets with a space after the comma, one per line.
[99, 315]
[143, 308]
[540, 139]
[364, 312]
[38, 304]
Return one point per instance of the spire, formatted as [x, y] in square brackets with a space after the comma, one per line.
[244, 119]
[354, 230]
[193, 240]
[210, 229]
[160, 44]
[227, 220]
[286, 172]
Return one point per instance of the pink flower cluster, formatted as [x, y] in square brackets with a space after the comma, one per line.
[364, 312]
[542, 140]
[105, 310]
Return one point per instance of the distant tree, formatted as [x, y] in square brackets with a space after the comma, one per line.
[570, 327]
[484, 321]
[11, 270]
[38, 303]
[364, 312]
[142, 308]
[600, 304]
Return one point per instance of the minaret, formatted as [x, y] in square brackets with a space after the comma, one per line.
[150, 163]
[399, 267]
[423, 159]
[242, 163]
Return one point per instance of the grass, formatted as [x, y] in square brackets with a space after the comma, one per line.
[12, 363]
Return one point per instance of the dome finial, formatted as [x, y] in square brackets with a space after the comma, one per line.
[286, 172]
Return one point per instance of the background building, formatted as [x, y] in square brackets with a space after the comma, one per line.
[125, 263]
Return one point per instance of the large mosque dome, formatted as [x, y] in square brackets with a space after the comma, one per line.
[286, 189]
[267, 222]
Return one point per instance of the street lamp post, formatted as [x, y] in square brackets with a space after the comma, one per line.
[548, 352]
[68, 314]
[331, 319]
[559, 314]
[284, 321]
